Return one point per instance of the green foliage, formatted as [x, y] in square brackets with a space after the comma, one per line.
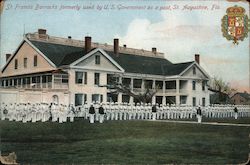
[221, 89]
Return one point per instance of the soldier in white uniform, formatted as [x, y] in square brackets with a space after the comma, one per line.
[112, 111]
[120, 111]
[33, 113]
[116, 108]
[24, 113]
[96, 105]
[106, 107]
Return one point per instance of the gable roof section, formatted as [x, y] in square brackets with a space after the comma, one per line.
[12, 56]
[93, 51]
[198, 66]
[244, 95]
[59, 54]
[34, 47]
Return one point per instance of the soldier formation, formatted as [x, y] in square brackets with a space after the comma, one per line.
[27, 112]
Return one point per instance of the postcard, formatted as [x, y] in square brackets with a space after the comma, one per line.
[124, 82]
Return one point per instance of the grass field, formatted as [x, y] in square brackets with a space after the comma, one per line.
[124, 142]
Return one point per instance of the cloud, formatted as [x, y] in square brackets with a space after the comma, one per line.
[180, 35]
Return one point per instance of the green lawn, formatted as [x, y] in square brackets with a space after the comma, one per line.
[124, 142]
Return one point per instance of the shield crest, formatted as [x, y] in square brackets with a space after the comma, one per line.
[235, 24]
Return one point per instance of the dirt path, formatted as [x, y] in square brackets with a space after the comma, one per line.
[207, 123]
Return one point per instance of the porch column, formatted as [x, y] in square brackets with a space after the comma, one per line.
[143, 84]
[164, 93]
[131, 99]
[132, 84]
[52, 81]
[153, 98]
[177, 92]
[41, 83]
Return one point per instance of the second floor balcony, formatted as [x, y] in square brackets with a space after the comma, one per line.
[46, 80]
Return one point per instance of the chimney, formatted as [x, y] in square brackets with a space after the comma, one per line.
[154, 50]
[197, 58]
[7, 57]
[116, 46]
[42, 33]
[87, 44]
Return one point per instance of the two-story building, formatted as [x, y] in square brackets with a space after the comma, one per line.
[48, 69]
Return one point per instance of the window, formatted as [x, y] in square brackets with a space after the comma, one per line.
[203, 85]
[85, 77]
[78, 77]
[35, 60]
[126, 82]
[24, 81]
[194, 85]
[109, 79]
[194, 70]
[25, 61]
[148, 84]
[97, 98]
[16, 64]
[112, 97]
[137, 83]
[125, 98]
[97, 78]
[49, 78]
[34, 79]
[203, 101]
[6, 83]
[194, 101]
[159, 84]
[183, 99]
[65, 78]
[97, 59]
[2, 83]
[19, 81]
[43, 79]
[15, 82]
[158, 99]
[78, 99]
[11, 82]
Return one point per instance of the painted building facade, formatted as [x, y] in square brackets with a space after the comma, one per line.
[51, 69]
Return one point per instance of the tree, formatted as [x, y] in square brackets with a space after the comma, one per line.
[222, 89]
[118, 87]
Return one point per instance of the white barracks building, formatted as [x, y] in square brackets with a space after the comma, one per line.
[49, 69]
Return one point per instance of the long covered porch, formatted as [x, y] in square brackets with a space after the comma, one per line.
[55, 79]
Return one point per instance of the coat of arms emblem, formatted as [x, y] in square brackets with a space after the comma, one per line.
[235, 24]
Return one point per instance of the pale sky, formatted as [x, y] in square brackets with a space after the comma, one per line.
[179, 33]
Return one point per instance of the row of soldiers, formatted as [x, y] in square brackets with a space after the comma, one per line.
[114, 111]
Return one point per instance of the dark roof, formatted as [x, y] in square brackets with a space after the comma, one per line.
[65, 55]
[37, 73]
[148, 65]
[244, 95]
[59, 54]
